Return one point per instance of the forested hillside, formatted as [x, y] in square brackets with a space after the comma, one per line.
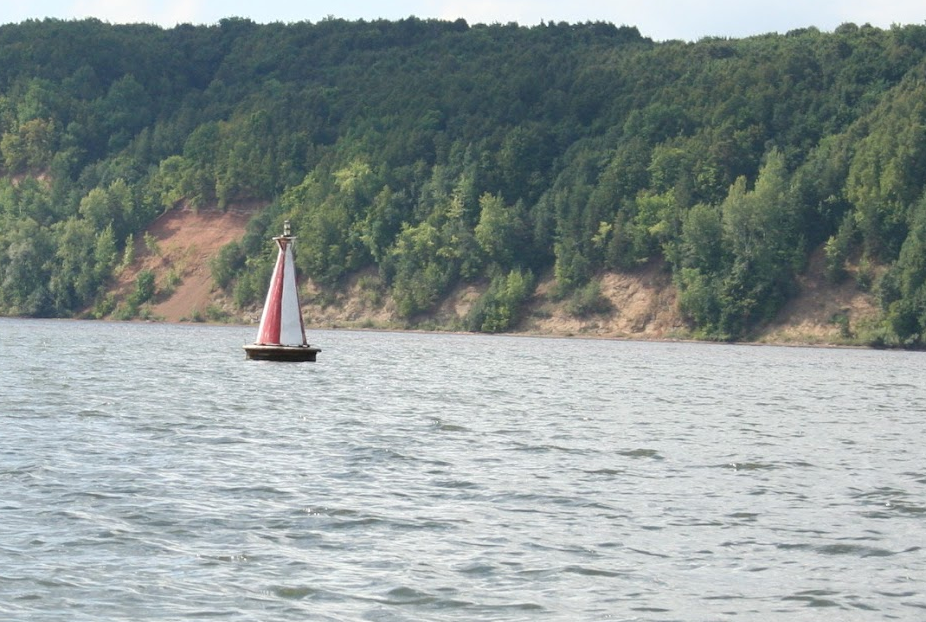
[438, 153]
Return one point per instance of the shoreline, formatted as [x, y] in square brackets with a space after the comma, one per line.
[518, 334]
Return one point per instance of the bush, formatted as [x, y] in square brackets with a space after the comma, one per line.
[144, 289]
[125, 311]
[227, 264]
[837, 250]
[151, 243]
[588, 300]
[244, 292]
[172, 280]
[104, 307]
[498, 309]
[216, 313]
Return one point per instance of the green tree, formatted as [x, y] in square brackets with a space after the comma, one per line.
[24, 268]
[904, 294]
[227, 264]
[702, 243]
[105, 255]
[499, 308]
[418, 270]
[74, 278]
[499, 230]
[96, 208]
[144, 290]
[837, 250]
[759, 230]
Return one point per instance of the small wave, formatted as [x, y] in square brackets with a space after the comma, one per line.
[449, 427]
[239, 558]
[357, 523]
[295, 593]
[749, 466]
[641, 453]
[547, 448]
[456, 484]
[648, 553]
[260, 492]
[744, 516]
[608, 472]
[649, 609]
[93, 413]
[481, 570]
[904, 594]
[814, 598]
[407, 596]
[592, 572]
[854, 549]
[888, 501]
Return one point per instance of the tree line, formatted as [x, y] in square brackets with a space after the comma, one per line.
[439, 152]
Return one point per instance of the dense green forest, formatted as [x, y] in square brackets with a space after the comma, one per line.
[440, 152]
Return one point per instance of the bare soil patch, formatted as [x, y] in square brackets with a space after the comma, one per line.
[643, 306]
[187, 240]
[822, 312]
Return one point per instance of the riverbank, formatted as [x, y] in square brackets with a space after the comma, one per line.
[639, 304]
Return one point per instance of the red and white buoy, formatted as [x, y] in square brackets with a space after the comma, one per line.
[281, 336]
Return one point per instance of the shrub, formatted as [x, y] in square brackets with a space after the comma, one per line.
[498, 309]
[588, 300]
[144, 289]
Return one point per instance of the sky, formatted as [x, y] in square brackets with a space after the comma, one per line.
[661, 20]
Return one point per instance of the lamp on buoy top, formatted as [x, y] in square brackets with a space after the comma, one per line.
[281, 335]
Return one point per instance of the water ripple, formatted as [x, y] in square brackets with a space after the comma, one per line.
[444, 477]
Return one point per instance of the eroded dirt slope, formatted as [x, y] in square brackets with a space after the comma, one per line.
[185, 243]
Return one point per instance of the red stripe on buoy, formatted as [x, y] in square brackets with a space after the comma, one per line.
[270, 322]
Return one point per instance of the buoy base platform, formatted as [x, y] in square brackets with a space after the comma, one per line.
[260, 352]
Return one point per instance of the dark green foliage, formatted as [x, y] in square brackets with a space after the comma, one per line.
[144, 288]
[230, 261]
[498, 309]
[500, 231]
[442, 152]
[837, 250]
[419, 272]
[736, 263]
[903, 289]
[143, 292]
[588, 300]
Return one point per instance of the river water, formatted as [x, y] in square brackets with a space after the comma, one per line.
[150, 472]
